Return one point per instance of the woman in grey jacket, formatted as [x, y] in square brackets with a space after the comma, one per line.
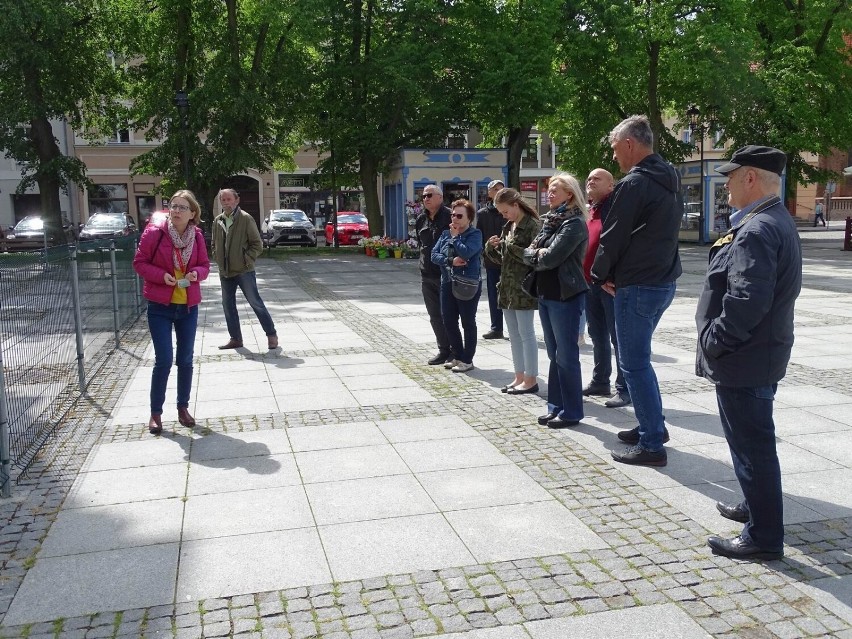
[518, 306]
[556, 255]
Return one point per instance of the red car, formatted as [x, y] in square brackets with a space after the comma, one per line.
[351, 227]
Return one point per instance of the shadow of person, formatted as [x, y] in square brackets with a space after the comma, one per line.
[218, 450]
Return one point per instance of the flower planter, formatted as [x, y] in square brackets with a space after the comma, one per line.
[397, 253]
[382, 253]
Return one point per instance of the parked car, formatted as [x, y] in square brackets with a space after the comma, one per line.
[288, 226]
[351, 227]
[108, 225]
[28, 235]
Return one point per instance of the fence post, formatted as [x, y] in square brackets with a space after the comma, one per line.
[78, 318]
[5, 439]
[138, 289]
[114, 277]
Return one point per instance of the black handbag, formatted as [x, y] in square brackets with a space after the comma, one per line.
[528, 283]
[464, 288]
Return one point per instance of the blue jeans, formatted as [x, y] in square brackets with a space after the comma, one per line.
[560, 322]
[453, 309]
[600, 313]
[492, 276]
[746, 415]
[161, 319]
[522, 341]
[247, 283]
[638, 310]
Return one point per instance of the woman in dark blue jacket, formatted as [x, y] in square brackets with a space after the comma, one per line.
[459, 251]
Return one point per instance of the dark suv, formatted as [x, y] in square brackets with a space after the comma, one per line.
[108, 225]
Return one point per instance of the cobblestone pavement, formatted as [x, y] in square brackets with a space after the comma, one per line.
[656, 554]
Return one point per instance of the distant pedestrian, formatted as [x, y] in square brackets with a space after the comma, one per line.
[459, 251]
[600, 305]
[556, 255]
[638, 262]
[432, 221]
[818, 213]
[745, 335]
[518, 306]
[172, 261]
[490, 222]
[236, 245]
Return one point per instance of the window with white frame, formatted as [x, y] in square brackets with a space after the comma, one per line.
[108, 198]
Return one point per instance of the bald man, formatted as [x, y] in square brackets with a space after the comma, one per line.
[600, 314]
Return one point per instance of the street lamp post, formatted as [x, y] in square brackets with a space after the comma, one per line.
[325, 118]
[182, 103]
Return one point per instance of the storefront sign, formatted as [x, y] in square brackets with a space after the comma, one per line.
[290, 181]
[529, 185]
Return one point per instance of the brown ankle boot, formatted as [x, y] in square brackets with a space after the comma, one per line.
[185, 418]
[155, 424]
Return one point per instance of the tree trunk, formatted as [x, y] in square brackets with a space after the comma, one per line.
[654, 115]
[369, 174]
[517, 142]
[47, 150]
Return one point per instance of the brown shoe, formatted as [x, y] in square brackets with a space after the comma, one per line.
[155, 425]
[273, 341]
[232, 343]
[185, 418]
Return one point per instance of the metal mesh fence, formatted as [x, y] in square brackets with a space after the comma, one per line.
[61, 310]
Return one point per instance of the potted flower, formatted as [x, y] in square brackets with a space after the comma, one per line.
[397, 249]
[410, 249]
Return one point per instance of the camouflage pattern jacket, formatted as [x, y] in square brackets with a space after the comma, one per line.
[509, 253]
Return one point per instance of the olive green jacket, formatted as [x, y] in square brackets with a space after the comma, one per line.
[236, 249]
[509, 254]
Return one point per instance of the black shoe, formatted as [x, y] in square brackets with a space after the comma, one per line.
[493, 335]
[522, 391]
[602, 390]
[739, 512]
[543, 419]
[638, 456]
[558, 422]
[739, 548]
[632, 436]
[440, 358]
[622, 399]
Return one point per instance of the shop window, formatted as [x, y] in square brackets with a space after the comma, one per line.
[531, 148]
[108, 198]
[121, 136]
[456, 141]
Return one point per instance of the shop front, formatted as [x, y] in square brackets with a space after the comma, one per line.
[461, 173]
[300, 191]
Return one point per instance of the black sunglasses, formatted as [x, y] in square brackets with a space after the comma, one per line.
[426, 196]
[458, 216]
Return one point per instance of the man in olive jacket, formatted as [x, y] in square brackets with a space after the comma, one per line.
[236, 245]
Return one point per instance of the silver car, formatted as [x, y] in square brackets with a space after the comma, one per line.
[288, 226]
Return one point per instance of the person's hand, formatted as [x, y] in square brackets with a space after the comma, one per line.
[459, 261]
[609, 287]
[169, 279]
[454, 230]
[494, 240]
[192, 276]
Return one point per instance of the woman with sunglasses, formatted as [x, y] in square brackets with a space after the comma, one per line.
[556, 254]
[459, 251]
[172, 260]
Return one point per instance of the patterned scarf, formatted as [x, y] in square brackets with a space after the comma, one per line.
[185, 243]
[552, 221]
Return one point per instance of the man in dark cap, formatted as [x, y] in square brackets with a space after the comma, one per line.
[745, 335]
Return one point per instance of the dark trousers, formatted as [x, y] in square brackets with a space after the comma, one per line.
[431, 287]
[247, 283]
[453, 310]
[746, 415]
[492, 276]
[162, 320]
[600, 318]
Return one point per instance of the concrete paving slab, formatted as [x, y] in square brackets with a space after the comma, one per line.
[234, 407]
[287, 370]
[353, 500]
[103, 581]
[150, 452]
[505, 632]
[835, 446]
[254, 384]
[841, 413]
[242, 473]
[826, 491]
[361, 550]
[326, 437]
[797, 421]
[505, 533]
[380, 381]
[214, 445]
[835, 593]
[666, 620]
[134, 524]
[447, 454]
[313, 401]
[357, 370]
[799, 396]
[350, 463]
[481, 487]
[356, 358]
[127, 485]
[243, 564]
[382, 396]
[425, 428]
[248, 511]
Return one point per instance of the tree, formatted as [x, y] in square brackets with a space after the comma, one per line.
[55, 66]
[241, 68]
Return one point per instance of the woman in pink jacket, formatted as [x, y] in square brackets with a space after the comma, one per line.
[172, 260]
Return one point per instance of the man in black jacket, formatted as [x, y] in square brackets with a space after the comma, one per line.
[490, 223]
[428, 226]
[745, 336]
[637, 262]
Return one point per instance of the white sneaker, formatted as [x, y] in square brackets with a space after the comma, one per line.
[451, 363]
[461, 367]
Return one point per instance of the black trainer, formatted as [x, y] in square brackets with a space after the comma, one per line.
[632, 436]
[638, 456]
[601, 390]
[621, 399]
[492, 334]
[440, 358]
